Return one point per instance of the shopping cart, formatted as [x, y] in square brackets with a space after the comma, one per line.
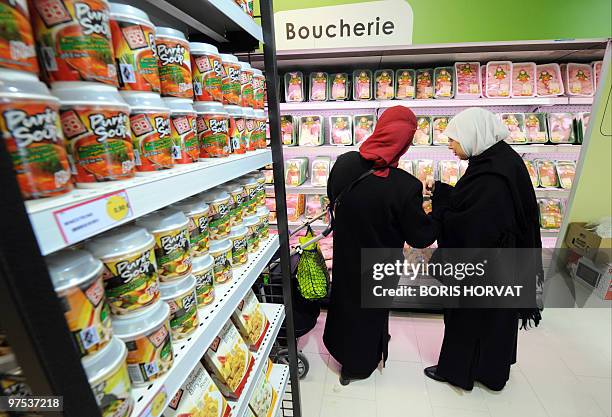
[305, 312]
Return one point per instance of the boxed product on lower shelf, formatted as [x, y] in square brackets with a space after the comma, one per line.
[363, 127]
[316, 204]
[439, 124]
[340, 130]
[422, 136]
[515, 122]
[561, 127]
[547, 173]
[535, 127]
[566, 170]
[251, 321]
[319, 171]
[288, 129]
[296, 171]
[295, 207]
[310, 130]
[264, 398]
[551, 213]
[448, 172]
[533, 174]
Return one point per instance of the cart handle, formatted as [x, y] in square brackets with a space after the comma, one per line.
[308, 223]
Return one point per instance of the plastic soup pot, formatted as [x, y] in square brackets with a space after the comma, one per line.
[213, 130]
[180, 295]
[198, 212]
[252, 224]
[238, 237]
[185, 143]
[221, 252]
[219, 203]
[204, 276]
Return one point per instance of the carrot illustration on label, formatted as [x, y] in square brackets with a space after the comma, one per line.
[174, 67]
[151, 136]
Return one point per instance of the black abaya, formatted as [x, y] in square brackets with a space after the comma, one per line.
[376, 213]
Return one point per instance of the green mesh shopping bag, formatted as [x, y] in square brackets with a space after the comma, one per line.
[312, 273]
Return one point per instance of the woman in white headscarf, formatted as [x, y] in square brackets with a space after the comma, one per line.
[492, 206]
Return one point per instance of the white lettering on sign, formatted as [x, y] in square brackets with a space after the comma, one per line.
[376, 23]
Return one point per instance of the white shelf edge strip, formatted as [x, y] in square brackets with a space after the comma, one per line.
[230, 9]
[212, 318]
[279, 377]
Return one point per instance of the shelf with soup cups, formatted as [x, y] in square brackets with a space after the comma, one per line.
[212, 318]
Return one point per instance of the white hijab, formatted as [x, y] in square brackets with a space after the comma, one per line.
[476, 130]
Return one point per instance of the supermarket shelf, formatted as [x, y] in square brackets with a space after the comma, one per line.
[318, 225]
[549, 232]
[581, 100]
[212, 318]
[552, 192]
[145, 193]
[276, 315]
[278, 379]
[305, 188]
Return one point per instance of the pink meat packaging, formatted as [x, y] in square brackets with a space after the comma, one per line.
[499, 79]
[548, 78]
[523, 79]
[467, 80]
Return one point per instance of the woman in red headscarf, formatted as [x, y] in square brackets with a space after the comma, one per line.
[382, 210]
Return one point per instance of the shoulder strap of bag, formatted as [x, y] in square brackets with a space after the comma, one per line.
[331, 208]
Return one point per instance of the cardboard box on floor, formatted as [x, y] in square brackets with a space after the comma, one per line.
[588, 243]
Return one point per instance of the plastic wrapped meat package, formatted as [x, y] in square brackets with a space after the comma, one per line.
[467, 80]
[363, 127]
[406, 165]
[439, 125]
[318, 86]
[319, 171]
[444, 81]
[269, 176]
[566, 171]
[548, 78]
[362, 85]
[340, 130]
[310, 131]
[251, 321]
[384, 84]
[561, 127]
[295, 207]
[424, 170]
[404, 84]
[315, 205]
[499, 79]
[296, 171]
[294, 87]
[339, 86]
[424, 83]
[535, 127]
[597, 72]
[523, 79]
[422, 136]
[551, 213]
[448, 172]
[533, 173]
[547, 173]
[271, 204]
[463, 166]
[577, 79]
[582, 120]
[515, 122]
[287, 123]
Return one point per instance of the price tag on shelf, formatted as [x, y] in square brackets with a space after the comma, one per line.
[86, 219]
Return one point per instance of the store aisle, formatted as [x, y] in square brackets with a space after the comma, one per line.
[564, 370]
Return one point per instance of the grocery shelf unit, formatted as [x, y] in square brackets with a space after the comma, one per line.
[30, 311]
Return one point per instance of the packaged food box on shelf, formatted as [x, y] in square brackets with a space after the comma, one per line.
[498, 79]
[251, 321]
[363, 127]
[406, 165]
[424, 84]
[229, 361]
[578, 79]
[547, 173]
[319, 171]
[340, 130]
[310, 130]
[515, 122]
[561, 127]
[264, 398]
[597, 65]
[549, 82]
[422, 136]
[198, 396]
[467, 80]
[448, 172]
[295, 207]
[551, 213]
[362, 85]
[535, 128]
[439, 124]
[384, 84]
[296, 171]
[566, 170]
[444, 82]
[523, 79]
[533, 173]
[339, 86]
[318, 86]
[405, 84]
[288, 130]
[294, 87]
[315, 205]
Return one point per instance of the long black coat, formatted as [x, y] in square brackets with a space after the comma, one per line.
[376, 213]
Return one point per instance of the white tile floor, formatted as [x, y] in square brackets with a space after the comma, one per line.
[564, 370]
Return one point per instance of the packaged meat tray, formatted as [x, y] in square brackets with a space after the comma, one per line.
[405, 84]
[578, 79]
[448, 172]
[319, 171]
[363, 127]
[582, 121]
[340, 130]
[550, 213]
[269, 175]
[296, 171]
[548, 80]
[533, 173]
[424, 170]
[597, 72]
[523, 79]
[547, 173]
[295, 207]
[467, 80]
[561, 127]
[251, 321]
[294, 87]
[422, 136]
[263, 401]
[318, 86]
[384, 84]
[535, 127]
[566, 170]
[444, 81]
[315, 205]
[288, 129]
[515, 122]
[463, 166]
[406, 165]
[424, 83]
[499, 79]
[310, 131]
[362, 85]
[439, 124]
[339, 86]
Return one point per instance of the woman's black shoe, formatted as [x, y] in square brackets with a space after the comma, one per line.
[431, 372]
[345, 379]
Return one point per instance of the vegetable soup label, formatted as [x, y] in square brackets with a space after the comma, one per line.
[253, 238]
[113, 393]
[33, 137]
[219, 224]
[172, 253]
[259, 83]
[213, 135]
[174, 67]
[17, 47]
[237, 207]
[263, 229]
[239, 250]
[74, 39]
[186, 146]
[252, 198]
[231, 83]
[183, 315]
[250, 134]
[130, 281]
[150, 356]
[207, 77]
[205, 287]
[99, 142]
[136, 56]
[198, 234]
[237, 134]
[152, 139]
[223, 267]
[88, 316]
[246, 88]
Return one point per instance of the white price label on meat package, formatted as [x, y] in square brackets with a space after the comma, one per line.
[86, 219]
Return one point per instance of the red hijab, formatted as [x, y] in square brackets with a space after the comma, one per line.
[391, 139]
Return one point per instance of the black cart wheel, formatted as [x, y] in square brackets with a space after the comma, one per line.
[302, 362]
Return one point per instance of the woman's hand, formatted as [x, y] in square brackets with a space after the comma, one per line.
[430, 185]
